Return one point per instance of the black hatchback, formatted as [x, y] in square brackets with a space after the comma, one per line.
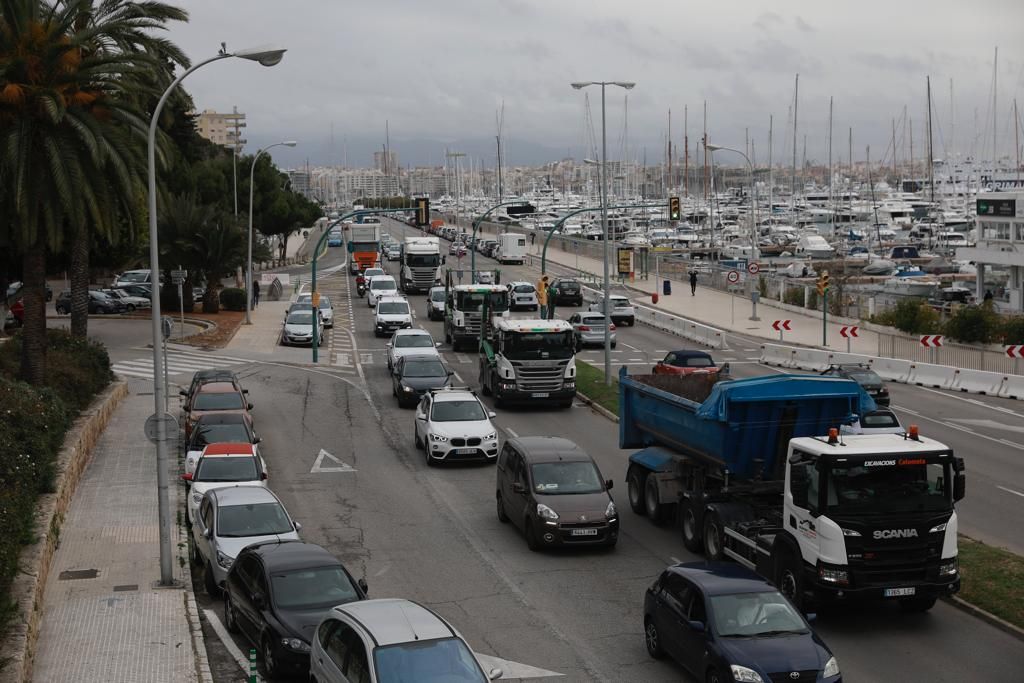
[277, 592]
[722, 622]
[868, 379]
[569, 293]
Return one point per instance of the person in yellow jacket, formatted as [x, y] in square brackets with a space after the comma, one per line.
[542, 296]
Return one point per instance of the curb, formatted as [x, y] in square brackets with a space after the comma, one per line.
[29, 585]
[986, 616]
[195, 627]
[599, 409]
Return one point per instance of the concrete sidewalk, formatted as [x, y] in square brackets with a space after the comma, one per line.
[103, 618]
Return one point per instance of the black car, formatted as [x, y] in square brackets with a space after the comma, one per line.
[276, 593]
[569, 292]
[98, 303]
[414, 375]
[867, 378]
[15, 287]
[722, 622]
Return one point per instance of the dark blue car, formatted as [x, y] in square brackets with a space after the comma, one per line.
[722, 622]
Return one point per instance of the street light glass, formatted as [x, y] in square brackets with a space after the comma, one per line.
[625, 84]
[579, 85]
[590, 161]
[712, 148]
[265, 56]
[289, 143]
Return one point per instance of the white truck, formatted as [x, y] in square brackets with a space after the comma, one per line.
[421, 264]
[529, 361]
[511, 248]
[470, 312]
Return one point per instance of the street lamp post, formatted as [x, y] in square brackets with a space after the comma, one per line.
[604, 217]
[248, 270]
[754, 251]
[268, 57]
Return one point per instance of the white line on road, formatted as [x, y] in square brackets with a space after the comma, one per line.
[633, 347]
[457, 375]
[225, 637]
[957, 427]
[675, 560]
[1016, 493]
[975, 401]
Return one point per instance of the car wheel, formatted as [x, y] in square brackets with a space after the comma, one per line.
[919, 603]
[229, 614]
[212, 589]
[531, 538]
[270, 667]
[652, 505]
[714, 537]
[652, 639]
[430, 461]
[502, 515]
[636, 478]
[131, 308]
[193, 556]
[691, 534]
[416, 439]
[789, 579]
[632, 322]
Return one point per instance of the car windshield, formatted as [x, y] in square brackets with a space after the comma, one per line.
[560, 478]
[437, 295]
[312, 588]
[879, 420]
[205, 434]
[457, 411]
[393, 308]
[417, 341]
[746, 615]
[593, 320]
[474, 301]
[300, 318]
[255, 519]
[226, 400]
[325, 302]
[423, 260]
[692, 362]
[567, 286]
[884, 485]
[382, 284]
[868, 377]
[229, 468]
[446, 660]
[537, 345]
[424, 368]
[134, 277]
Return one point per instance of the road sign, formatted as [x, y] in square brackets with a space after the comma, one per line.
[167, 326]
[1015, 351]
[316, 299]
[780, 325]
[753, 268]
[179, 273]
[625, 261]
[848, 332]
[733, 276]
[170, 427]
[931, 341]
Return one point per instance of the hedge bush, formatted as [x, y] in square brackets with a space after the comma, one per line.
[233, 299]
[913, 316]
[974, 325]
[1013, 330]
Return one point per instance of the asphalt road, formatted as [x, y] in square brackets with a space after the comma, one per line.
[431, 534]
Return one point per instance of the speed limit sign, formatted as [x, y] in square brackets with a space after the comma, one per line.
[753, 268]
[734, 276]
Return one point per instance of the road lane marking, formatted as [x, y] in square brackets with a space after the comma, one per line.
[958, 427]
[972, 400]
[457, 375]
[628, 346]
[229, 643]
[1016, 493]
[991, 424]
[339, 466]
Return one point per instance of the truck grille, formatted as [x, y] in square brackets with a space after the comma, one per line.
[539, 377]
[423, 277]
[894, 562]
[473, 324]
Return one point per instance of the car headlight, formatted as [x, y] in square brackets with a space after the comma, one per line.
[851, 532]
[491, 437]
[197, 498]
[544, 512]
[569, 385]
[837, 575]
[610, 511]
[745, 675]
[937, 528]
[407, 389]
[224, 560]
[438, 437]
[831, 668]
[295, 644]
[949, 567]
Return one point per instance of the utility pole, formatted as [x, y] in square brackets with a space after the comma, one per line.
[796, 101]
[686, 152]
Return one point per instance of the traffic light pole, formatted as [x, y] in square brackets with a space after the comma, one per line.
[824, 319]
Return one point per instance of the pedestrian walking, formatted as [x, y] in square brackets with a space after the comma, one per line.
[552, 300]
[255, 294]
[693, 283]
[542, 296]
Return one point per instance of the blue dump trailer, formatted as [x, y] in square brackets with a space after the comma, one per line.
[755, 470]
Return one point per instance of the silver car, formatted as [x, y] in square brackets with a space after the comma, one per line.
[435, 303]
[326, 307]
[588, 329]
[230, 519]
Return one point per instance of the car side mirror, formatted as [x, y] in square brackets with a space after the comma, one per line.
[491, 414]
[182, 392]
[298, 526]
[697, 626]
[450, 372]
[207, 533]
[609, 483]
[245, 391]
[959, 486]
[363, 587]
[187, 476]
[495, 674]
[249, 406]
[257, 439]
[518, 487]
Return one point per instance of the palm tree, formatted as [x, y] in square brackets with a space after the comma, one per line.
[72, 77]
[218, 250]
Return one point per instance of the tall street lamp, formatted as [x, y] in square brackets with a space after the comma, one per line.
[604, 218]
[754, 251]
[266, 57]
[248, 270]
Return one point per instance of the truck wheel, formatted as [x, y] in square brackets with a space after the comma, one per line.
[691, 532]
[714, 537]
[789, 579]
[921, 603]
[485, 388]
[653, 506]
[636, 477]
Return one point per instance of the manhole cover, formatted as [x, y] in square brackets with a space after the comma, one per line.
[74, 574]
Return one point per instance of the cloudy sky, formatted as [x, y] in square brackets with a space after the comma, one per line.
[438, 70]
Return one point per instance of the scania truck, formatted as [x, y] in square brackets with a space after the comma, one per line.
[364, 241]
[529, 360]
[756, 470]
[421, 264]
[470, 312]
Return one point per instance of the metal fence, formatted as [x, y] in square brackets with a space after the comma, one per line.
[964, 356]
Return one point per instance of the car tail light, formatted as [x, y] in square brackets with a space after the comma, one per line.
[612, 327]
[584, 328]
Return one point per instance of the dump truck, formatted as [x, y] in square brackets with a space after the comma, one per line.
[755, 470]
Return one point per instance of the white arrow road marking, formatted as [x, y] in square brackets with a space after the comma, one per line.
[991, 424]
[511, 669]
[318, 465]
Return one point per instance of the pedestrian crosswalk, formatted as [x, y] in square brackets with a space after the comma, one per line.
[178, 363]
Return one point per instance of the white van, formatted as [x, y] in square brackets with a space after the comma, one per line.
[511, 248]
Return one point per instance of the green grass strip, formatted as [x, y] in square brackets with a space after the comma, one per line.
[590, 383]
[992, 579]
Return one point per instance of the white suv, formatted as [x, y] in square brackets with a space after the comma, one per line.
[453, 425]
[623, 312]
[522, 295]
[393, 313]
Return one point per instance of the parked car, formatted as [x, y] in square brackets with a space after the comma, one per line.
[553, 490]
[388, 641]
[392, 314]
[867, 378]
[231, 518]
[217, 428]
[569, 292]
[723, 622]
[435, 303]
[99, 302]
[220, 465]
[208, 375]
[588, 329]
[414, 375]
[15, 287]
[522, 295]
[688, 362]
[275, 595]
[133, 277]
[881, 421]
[622, 312]
[146, 292]
[298, 327]
[326, 307]
[215, 397]
[131, 303]
[454, 425]
[409, 341]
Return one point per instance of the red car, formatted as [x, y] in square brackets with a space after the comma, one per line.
[18, 311]
[687, 362]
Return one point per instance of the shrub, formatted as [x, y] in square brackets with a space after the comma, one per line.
[1012, 330]
[794, 296]
[233, 299]
[812, 300]
[913, 316]
[974, 325]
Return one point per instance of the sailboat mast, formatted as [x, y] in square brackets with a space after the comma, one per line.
[796, 102]
[704, 140]
[995, 101]
[670, 183]
[931, 153]
[625, 144]
[1016, 136]
[686, 152]
[771, 184]
[831, 205]
[894, 176]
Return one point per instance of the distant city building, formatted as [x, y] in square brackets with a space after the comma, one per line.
[300, 183]
[222, 129]
[386, 163]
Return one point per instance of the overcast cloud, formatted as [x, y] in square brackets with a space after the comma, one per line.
[437, 70]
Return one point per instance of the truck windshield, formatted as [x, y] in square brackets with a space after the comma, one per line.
[364, 246]
[423, 260]
[473, 301]
[883, 486]
[538, 345]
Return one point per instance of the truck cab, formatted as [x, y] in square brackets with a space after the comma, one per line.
[529, 360]
[364, 244]
[421, 264]
[464, 312]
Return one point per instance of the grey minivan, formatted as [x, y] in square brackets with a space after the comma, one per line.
[553, 490]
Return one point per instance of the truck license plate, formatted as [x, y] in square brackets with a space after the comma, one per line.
[542, 395]
[584, 532]
[899, 592]
[465, 451]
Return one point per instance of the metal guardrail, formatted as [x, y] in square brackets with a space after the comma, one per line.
[965, 356]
